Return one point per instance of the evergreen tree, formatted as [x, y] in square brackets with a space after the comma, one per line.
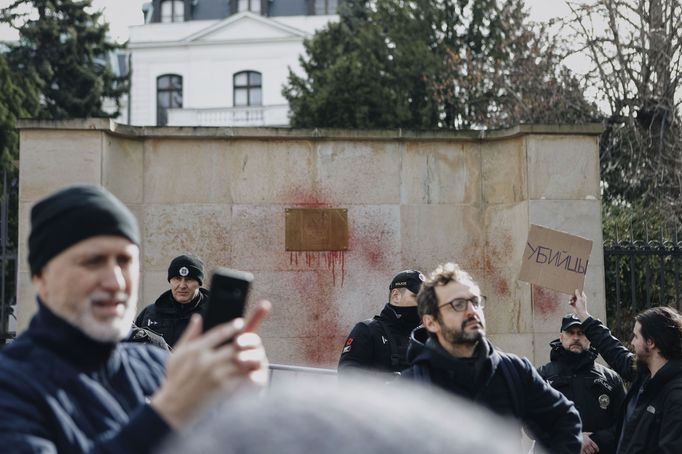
[433, 64]
[63, 51]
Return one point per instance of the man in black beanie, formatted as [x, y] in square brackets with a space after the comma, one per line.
[380, 344]
[67, 383]
[170, 313]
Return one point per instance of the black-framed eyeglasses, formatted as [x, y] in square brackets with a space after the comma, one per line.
[460, 304]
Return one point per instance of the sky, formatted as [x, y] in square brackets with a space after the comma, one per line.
[121, 14]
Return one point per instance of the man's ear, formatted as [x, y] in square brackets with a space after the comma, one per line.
[39, 283]
[651, 345]
[430, 323]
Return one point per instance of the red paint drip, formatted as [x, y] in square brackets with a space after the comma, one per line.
[335, 258]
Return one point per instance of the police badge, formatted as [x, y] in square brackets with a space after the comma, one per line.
[604, 401]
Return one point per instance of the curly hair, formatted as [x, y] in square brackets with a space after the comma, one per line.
[427, 301]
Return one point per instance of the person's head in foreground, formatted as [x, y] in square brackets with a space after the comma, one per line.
[84, 260]
[312, 416]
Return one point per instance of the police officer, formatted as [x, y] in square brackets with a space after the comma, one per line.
[380, 344]
[171, 312]
[597, 391]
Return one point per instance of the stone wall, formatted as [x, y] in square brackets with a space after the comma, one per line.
[413, 200]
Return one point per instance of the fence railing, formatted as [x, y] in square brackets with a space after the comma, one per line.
[281, 372]
[8, 256]
[641, 271]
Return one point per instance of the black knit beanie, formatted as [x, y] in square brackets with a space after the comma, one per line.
[74, 214]
[187, 266]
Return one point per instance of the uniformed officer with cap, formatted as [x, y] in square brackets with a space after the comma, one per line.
[380, 344]
[596, 391]
[170, 314]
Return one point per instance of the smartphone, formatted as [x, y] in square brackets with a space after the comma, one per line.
[227, 299]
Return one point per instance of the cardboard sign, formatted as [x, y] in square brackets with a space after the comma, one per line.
[555, 260]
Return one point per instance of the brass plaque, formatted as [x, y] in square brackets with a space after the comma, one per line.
[316, 229]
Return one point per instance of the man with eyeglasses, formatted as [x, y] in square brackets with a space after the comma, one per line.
[452, 352]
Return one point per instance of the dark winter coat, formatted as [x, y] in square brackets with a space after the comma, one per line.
[146, 336]
[481, 378]
[380, 344]
[61, 391]
[655, 426]
[596, 391]
[169, 318]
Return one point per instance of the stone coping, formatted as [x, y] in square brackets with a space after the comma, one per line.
[142, 132]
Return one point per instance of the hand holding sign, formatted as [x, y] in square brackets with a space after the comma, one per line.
[555, 260]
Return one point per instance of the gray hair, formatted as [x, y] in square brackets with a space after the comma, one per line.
[348, 418]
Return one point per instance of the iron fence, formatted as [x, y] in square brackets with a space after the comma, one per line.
[642, 270]
[8, 256]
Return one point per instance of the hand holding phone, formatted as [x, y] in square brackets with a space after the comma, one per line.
[228, 295]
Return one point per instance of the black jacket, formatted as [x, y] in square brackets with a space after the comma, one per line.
[169, 318]
[61, 391]
[481, 379]
[146, 336]
[596, 391]
[656, 423]
[380, 344]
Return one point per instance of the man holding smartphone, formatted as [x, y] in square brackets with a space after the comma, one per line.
[170, 313]
[67, 383]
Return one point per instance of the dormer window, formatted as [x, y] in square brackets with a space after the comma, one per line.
[172, 11]
[249, 5]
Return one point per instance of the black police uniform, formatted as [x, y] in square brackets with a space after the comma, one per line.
[380, 344]
[596, 391]
[169, 318]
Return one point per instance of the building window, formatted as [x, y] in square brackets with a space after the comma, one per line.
[172, 11]
[325, 7]
[248, 89]
[249, 5]
[168, 96]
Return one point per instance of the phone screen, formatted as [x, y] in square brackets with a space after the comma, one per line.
[227, 296]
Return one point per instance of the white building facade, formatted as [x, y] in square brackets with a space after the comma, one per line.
[228, 70]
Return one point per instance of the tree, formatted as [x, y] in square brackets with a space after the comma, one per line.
[17, 99]
[433, 64]
[635, 51]
[56, 70]
[63, 51]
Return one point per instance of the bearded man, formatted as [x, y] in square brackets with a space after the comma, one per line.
[596, 391]
[452, 352]
[67, 383]
[650, 420]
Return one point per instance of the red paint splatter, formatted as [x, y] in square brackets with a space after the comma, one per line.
[495, 254]
[334, 261]
[545, 301]
[320, 272]
[300, 197]
[370, 243]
